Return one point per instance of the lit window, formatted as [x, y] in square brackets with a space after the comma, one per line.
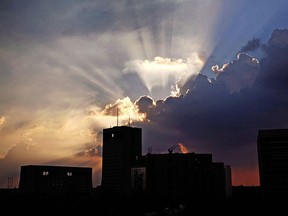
[45, 173]
[69, 173]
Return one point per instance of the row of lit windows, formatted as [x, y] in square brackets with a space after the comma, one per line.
[46, 173]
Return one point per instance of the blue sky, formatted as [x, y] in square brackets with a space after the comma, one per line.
[204, 73]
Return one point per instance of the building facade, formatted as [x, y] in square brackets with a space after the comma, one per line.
[186, 175]
[125, 170]
[55, 179]
[272, 146]
[122, 149]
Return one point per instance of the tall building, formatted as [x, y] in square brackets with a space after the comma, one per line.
[126, 171]
[272, 145]
[55, 179]
[186, 175]
[228, 174]
[122, 150]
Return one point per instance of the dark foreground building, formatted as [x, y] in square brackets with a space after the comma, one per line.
[272, 147]
[55, 179]
[122, 148]
[177, 175]
[185, 176]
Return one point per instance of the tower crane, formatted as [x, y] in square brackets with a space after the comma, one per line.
[170, 150]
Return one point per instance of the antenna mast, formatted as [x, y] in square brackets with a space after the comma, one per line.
[117, 116]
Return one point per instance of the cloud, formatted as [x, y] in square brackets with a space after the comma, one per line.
[161, 74]
[274, 76]
[238, 74]
[46, 20]
[278, 39]
[223, 116]
[251, 45]
[70, 139]
[2, 120]
[26, 154]
[125, 110]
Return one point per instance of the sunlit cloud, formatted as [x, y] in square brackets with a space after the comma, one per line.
[183, 149]
[124, 111]
[60, 139]
[165, 72]
[2, 120]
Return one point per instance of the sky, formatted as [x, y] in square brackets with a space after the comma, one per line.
[205, 74]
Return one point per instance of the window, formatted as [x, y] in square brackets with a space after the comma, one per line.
[45, 173]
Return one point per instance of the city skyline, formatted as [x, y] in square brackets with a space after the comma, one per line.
[204, 74]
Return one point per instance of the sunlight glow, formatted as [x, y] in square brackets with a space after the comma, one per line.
[165, 72]
[124, 110]
[183, 149]
[2, 120]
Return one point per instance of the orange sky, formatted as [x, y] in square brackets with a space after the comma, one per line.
[245, 177]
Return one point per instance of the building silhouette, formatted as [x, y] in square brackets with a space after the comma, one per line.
[228, 181]
[125, 170]
[181, 175]
[55, 179]
[272, 145]
[122, 148]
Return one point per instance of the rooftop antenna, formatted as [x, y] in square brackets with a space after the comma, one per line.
[149, 150]
[129, 120]
[10, 182]
[117, 116]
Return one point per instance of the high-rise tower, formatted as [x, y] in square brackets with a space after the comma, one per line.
[273, 161]
[122, 148]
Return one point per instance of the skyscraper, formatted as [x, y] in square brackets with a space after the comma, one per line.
[122, 148]
[273, 161]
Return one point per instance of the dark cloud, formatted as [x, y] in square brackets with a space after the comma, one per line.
[251, 45]
[275, 63]
[212, 118]
[238, 74]
[145, 103]
[21, 19]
